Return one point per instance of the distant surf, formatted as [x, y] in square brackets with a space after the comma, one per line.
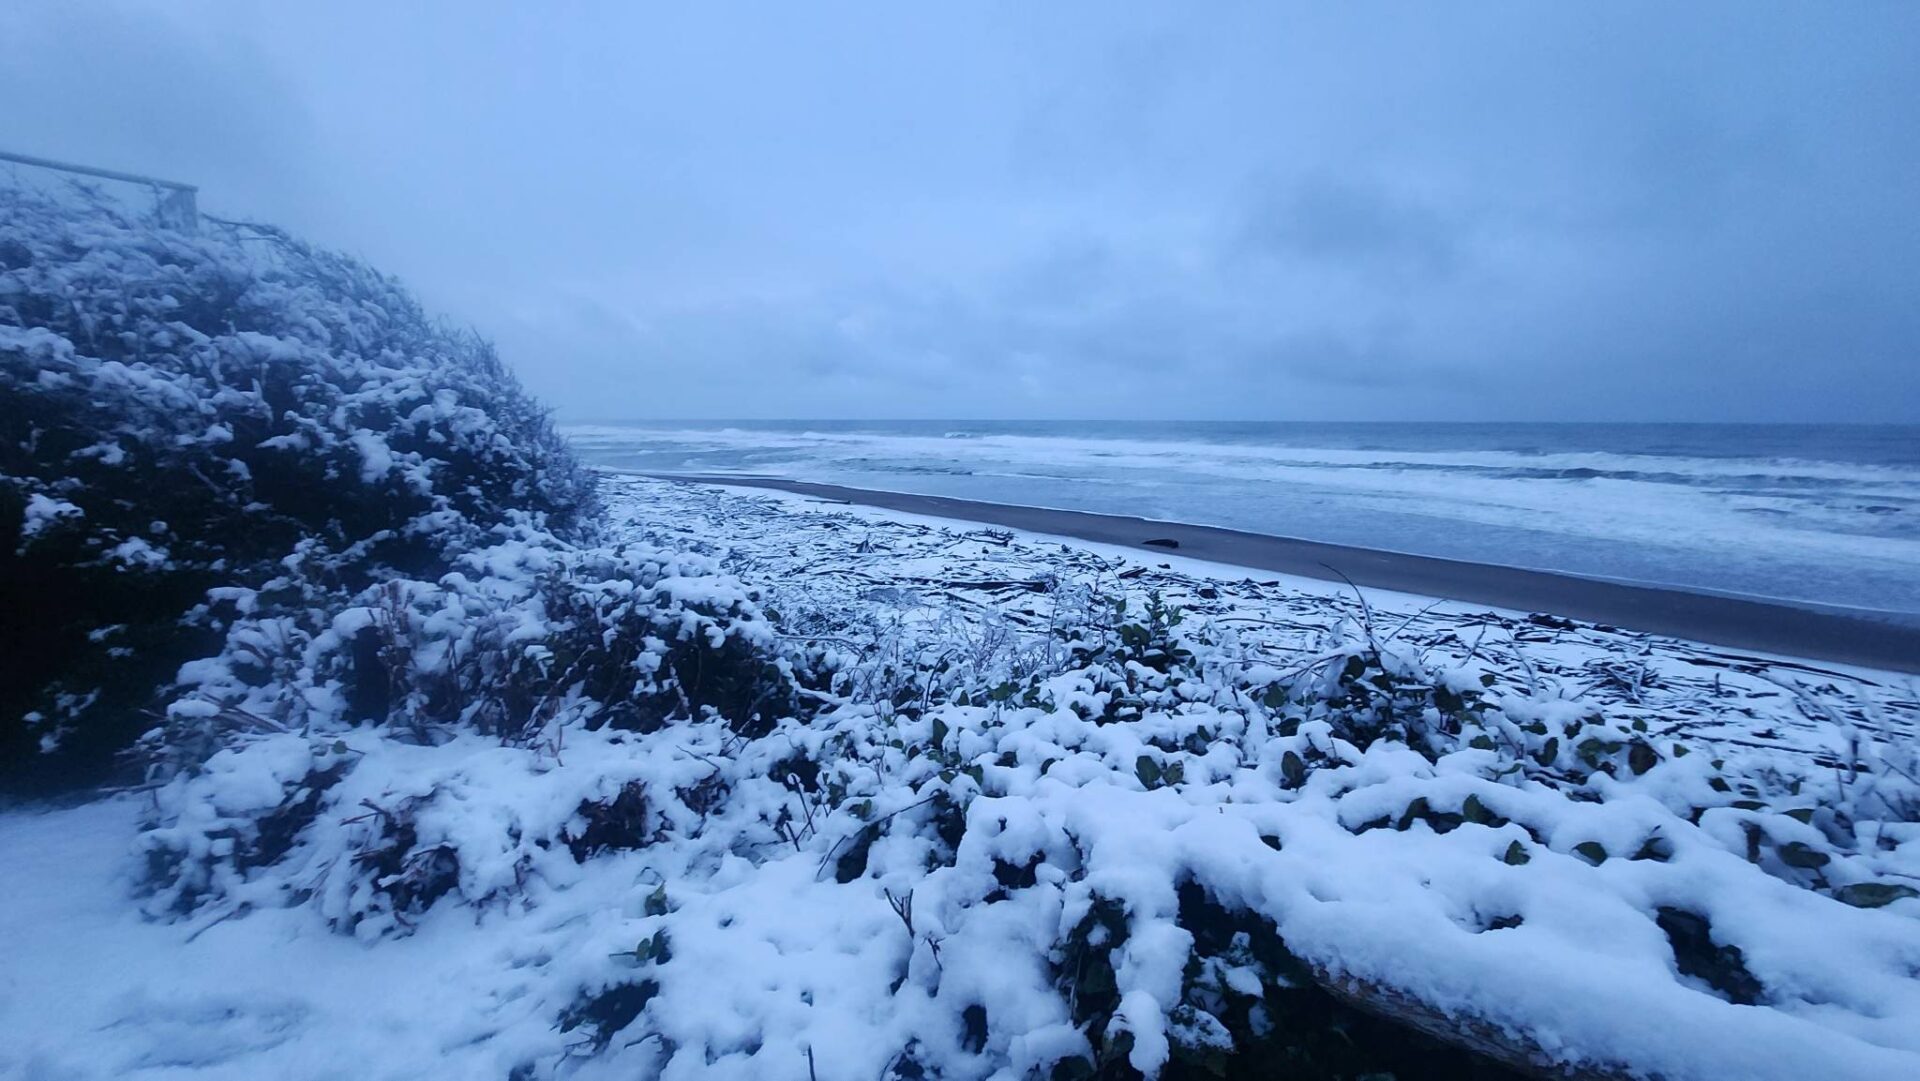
[1827, 515]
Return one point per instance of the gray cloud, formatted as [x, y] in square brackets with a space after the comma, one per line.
[1376, 211]
[1341, 223]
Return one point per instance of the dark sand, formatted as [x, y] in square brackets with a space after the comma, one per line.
[1743, 624]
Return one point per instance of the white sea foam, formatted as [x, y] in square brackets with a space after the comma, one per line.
[1720, 518]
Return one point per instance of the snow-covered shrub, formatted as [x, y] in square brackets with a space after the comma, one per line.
[1115, 847]
[1154, 860]
[278, 761]
[377, 823]
[250, 492]
[522, 637]
[183, 413]
[377, 832]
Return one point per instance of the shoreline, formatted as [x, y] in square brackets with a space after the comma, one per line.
[1769, 627]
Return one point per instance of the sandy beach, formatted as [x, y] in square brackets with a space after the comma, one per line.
[1785, 629]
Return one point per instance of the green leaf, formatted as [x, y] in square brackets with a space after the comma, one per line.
[1516, 855]
[1641, 757]
[1594, 751]
[1293, 770]
[940, 731]
[1147, 770]
[1874, 894]
[657, 901]
[1476, 812]
[1096, 979]
[1654, 848]
[1417, 810]
[1798, 854]
[652, 949]
[1591, 851]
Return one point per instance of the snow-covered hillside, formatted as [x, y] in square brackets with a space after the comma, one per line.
[199, 430]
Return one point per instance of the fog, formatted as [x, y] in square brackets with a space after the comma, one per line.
[1375, 211]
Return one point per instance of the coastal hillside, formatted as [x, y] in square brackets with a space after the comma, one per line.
[204, 433]
[388, 742]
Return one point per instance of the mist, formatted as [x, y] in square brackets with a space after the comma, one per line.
[1380, 211]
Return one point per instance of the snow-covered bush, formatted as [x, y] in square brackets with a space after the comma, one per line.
[1120, 869]
[1117, 850]
[401, 769]
[376, 832]
[183, 413]
[523, 637]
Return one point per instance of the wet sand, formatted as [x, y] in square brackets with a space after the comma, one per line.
[1726, 621]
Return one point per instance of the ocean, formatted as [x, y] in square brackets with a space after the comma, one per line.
[1816, 514]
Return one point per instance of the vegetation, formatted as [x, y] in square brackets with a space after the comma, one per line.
[192, 426]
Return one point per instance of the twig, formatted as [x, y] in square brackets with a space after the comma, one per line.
[902, 907]
[1366, 611]
[873, 825]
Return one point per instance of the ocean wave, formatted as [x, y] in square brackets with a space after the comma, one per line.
[1835, 531]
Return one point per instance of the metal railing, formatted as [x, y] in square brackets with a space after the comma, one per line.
[176, 204]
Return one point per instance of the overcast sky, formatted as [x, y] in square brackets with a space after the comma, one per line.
[1490, 211]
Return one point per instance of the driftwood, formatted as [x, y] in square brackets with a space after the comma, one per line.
[1035, 585]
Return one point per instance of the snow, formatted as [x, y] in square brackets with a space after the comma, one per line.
[96, 991]
[42, 512]
[137, 552]
[1117, 774]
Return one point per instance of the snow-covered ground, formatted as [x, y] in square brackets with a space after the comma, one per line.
[1026, 827]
